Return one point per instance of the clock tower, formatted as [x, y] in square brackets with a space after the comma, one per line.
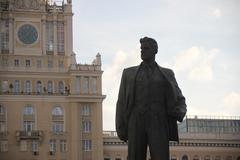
[50, 106]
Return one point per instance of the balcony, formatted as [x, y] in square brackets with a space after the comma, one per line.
[33, 135]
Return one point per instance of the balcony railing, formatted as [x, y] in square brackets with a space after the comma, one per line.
[35, 93]
[36, 135]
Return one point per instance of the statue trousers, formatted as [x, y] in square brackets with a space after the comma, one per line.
[148, 130]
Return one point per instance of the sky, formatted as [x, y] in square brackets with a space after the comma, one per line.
[199, 40]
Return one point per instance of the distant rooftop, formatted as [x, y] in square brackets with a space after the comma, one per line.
[210, 124]
[49, 5]
[212, 117]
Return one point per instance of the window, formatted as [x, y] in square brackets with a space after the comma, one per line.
[3, 146]
[16, 87]
[23, 145]
[61, 87]
[86, 110]
[28, 110]
[16, 63]
[60, 64]
[85, 84]
[63, 146]
[60, 37]
[53, 145]
[3, 127]
[3, 124]
[57, 111]
[49, 37]
[57, 127]
[28, 63]
[94, 85]
[50, 64]
[185, 157]
[86, 126]
[2, 110]
[39, 63]
[78, 84]
[34, 146]
[87, 145]
[58, 123]
[28, 126]
[5, 86]
[50, 87]
[4, 34]
[39, 87]
[27, 87]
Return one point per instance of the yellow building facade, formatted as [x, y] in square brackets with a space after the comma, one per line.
[50, 106]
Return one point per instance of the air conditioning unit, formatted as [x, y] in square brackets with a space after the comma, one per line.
[35, 153]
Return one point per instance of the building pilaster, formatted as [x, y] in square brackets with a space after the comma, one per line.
[11, 35]
[55, 35]
[44, 36]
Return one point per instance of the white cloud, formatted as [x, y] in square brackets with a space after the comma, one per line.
[111, 80]
[232, 102]
[197, 62]
[217, 13]
[186, 59]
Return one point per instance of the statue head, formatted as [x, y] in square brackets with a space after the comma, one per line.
[149, 49]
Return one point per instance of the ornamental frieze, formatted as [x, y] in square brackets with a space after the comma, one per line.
[27, 4]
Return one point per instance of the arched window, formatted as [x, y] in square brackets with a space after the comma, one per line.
[185, 157]
[28, 118]
[39, 87]
[50, 87]
[57, 111]
[16, 87]
[27, 87]
[28, 110]
[61, 87]
[57, 120]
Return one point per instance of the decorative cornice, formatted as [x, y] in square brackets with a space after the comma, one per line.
[185, 144]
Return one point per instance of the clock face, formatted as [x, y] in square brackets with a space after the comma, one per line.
[27, 34]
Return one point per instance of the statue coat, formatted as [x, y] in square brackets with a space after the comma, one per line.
[175, 102]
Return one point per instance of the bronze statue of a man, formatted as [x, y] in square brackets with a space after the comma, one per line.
[149, 105]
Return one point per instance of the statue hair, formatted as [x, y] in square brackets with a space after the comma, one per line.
[151, 41]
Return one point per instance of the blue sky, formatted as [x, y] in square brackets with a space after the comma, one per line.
[199, 40]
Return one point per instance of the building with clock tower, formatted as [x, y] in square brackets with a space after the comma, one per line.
[50, 106]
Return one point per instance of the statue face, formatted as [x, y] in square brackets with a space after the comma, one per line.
[147, 52]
